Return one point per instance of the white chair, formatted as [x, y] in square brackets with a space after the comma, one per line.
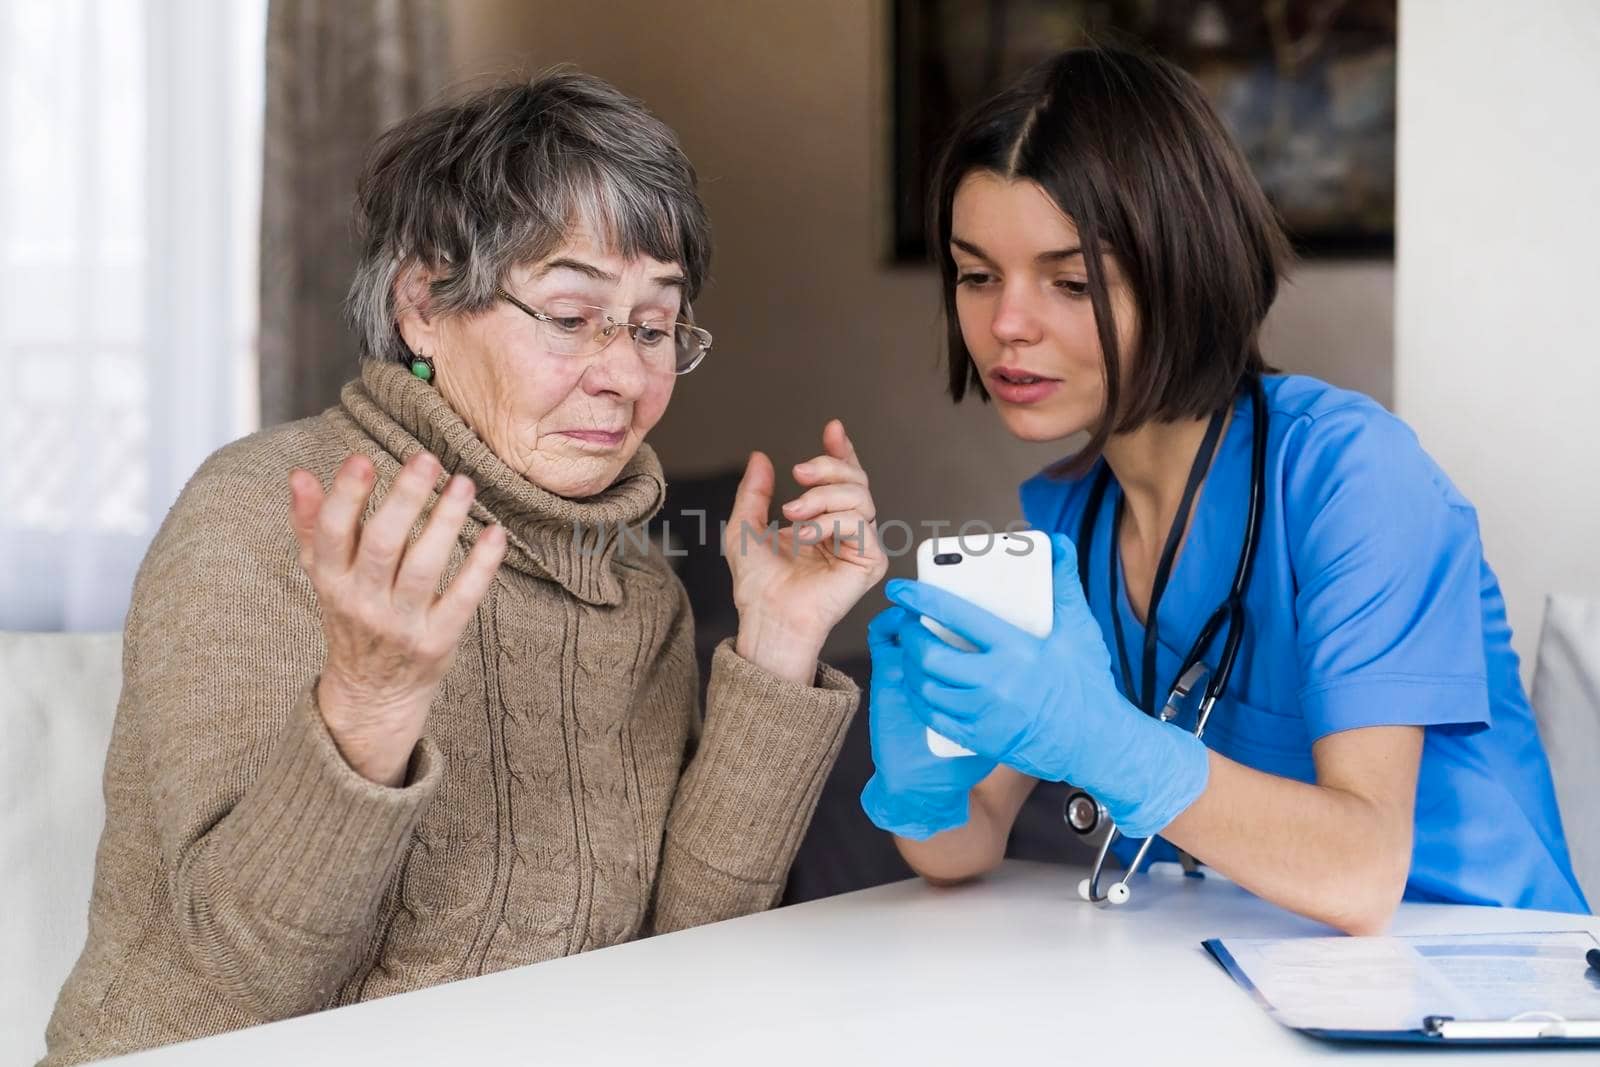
[58, 697]
[1566, 701]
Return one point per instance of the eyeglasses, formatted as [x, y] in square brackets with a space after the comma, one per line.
[570, 329]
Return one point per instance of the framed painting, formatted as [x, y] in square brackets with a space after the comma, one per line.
[1306, 86]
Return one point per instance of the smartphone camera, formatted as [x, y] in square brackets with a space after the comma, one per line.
[945, 559]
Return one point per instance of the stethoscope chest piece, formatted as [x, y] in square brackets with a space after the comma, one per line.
[1083, 813]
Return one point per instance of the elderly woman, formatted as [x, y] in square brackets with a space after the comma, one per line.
[403, 702]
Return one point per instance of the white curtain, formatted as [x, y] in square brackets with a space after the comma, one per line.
[129, 208]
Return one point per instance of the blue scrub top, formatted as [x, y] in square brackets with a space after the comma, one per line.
[1371, 605]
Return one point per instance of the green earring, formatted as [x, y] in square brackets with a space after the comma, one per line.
[422, 367]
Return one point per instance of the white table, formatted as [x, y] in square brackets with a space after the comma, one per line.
[1012, 969]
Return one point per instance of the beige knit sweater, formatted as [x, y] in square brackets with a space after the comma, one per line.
[565, 797]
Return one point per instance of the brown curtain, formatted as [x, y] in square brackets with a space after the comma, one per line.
[338, 73]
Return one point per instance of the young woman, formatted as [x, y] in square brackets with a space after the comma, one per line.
[1107, 261]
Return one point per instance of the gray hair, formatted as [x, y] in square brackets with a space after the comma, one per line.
[472, 189]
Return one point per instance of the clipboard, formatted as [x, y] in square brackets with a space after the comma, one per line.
[1502, 989]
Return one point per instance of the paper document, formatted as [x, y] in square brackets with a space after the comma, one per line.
[1393, 983]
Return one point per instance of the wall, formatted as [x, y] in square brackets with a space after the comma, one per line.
[1498, 366]
[783, 108]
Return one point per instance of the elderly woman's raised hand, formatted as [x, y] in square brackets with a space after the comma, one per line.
[793, 586]
[390, 632]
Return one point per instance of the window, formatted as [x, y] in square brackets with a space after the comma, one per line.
[129, 207]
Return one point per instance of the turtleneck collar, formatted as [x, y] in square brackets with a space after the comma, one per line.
[572, 542]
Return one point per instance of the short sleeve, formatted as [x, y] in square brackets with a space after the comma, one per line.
[1388, 571]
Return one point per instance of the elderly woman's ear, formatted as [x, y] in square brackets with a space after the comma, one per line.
[418, 325]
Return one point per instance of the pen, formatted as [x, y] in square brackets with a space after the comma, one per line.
[1593, 956]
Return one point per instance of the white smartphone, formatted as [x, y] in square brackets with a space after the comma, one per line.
[1006, 574]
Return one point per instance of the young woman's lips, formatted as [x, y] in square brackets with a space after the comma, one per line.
[597, 438]
[1014, 386]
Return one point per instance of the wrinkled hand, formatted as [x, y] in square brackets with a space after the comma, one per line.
[390, 634]
[794, 584]
[912, 792]
[1049, 706]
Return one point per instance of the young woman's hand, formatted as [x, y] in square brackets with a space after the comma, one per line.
[793, 584]
[912, 793]
[1048, 707]
[390, 633]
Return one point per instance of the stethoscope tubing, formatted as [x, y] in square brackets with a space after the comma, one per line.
[1230, 611]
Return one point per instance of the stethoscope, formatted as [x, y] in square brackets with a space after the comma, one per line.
[1082, 812]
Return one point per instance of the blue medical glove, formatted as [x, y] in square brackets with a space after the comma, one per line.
[1048, 706]
[912, 792]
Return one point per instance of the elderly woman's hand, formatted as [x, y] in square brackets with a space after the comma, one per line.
[793, 586]
[390, 633]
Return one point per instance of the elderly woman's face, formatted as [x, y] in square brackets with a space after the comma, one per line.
[568, 424]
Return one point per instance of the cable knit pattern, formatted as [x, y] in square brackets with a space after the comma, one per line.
[567, 795]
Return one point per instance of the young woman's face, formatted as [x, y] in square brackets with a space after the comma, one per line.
[1022, 296]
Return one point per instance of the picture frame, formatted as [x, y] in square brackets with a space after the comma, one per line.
[1306, 86]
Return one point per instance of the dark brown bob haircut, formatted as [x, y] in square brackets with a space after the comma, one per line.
[1129, 149]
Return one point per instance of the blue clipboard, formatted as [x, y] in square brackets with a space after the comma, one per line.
[1450, 1024]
